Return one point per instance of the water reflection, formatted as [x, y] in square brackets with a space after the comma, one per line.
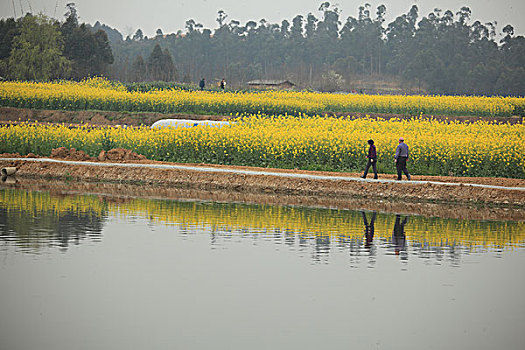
[36, 220]
[34, 232]
[369, 229]
[8, 179]
[399, 237]
[426, 209]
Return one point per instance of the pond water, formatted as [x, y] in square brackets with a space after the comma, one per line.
[88, 272]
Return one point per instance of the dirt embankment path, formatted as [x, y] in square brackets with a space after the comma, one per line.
[115, 167]
[323, 190]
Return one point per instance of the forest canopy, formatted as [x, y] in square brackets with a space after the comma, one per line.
[440, 53]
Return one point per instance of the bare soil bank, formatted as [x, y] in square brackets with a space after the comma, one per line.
[97, 118]
[325, 191]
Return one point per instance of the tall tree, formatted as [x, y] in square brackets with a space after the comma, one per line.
[37, 51]
[170, 73]
[89, 52]
[221, 18]
[138, 36]
[155, 64]
[138, 69]
[114, 36]
[103, 55]
[8, 30]
[399, 35]
[160, 65]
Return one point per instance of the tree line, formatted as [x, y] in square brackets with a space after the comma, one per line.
[36, 47]
[442, 53]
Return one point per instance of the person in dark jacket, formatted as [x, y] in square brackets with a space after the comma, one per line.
[372, 159]
[202, 83]
[401, 158]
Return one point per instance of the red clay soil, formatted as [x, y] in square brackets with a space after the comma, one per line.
[12, 115]
[268, 184]
[113, 155]
[98, 118]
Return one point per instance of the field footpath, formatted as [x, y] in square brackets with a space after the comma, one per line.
[492, 191]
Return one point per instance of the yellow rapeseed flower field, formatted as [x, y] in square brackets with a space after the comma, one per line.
[100, 94]
[317, 143]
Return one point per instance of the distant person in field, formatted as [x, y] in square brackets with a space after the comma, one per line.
[372, 159]
[401, 158]
[202, 83]
[223, 84]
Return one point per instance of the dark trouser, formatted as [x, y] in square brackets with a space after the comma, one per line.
[371, 162]
[401, 166]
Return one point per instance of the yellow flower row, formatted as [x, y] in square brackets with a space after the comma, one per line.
[436, 147]
[100, 94]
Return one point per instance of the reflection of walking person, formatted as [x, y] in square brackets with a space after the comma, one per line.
[369, 228]
[202, 83]
[399, 237]
[223, 84]
[372, 159]
[401, 159]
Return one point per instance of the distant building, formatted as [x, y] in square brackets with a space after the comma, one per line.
[270, 84]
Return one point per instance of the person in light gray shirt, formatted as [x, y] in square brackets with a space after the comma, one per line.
[401, 158]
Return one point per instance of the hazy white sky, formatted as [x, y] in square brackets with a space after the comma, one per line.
[171, 15]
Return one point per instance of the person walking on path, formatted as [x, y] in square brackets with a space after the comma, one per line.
[401, 159]
[372, 159]
[202, 83]
[223, 84]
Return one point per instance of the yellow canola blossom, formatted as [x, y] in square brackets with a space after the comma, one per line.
[101, 94]
[317, 143]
